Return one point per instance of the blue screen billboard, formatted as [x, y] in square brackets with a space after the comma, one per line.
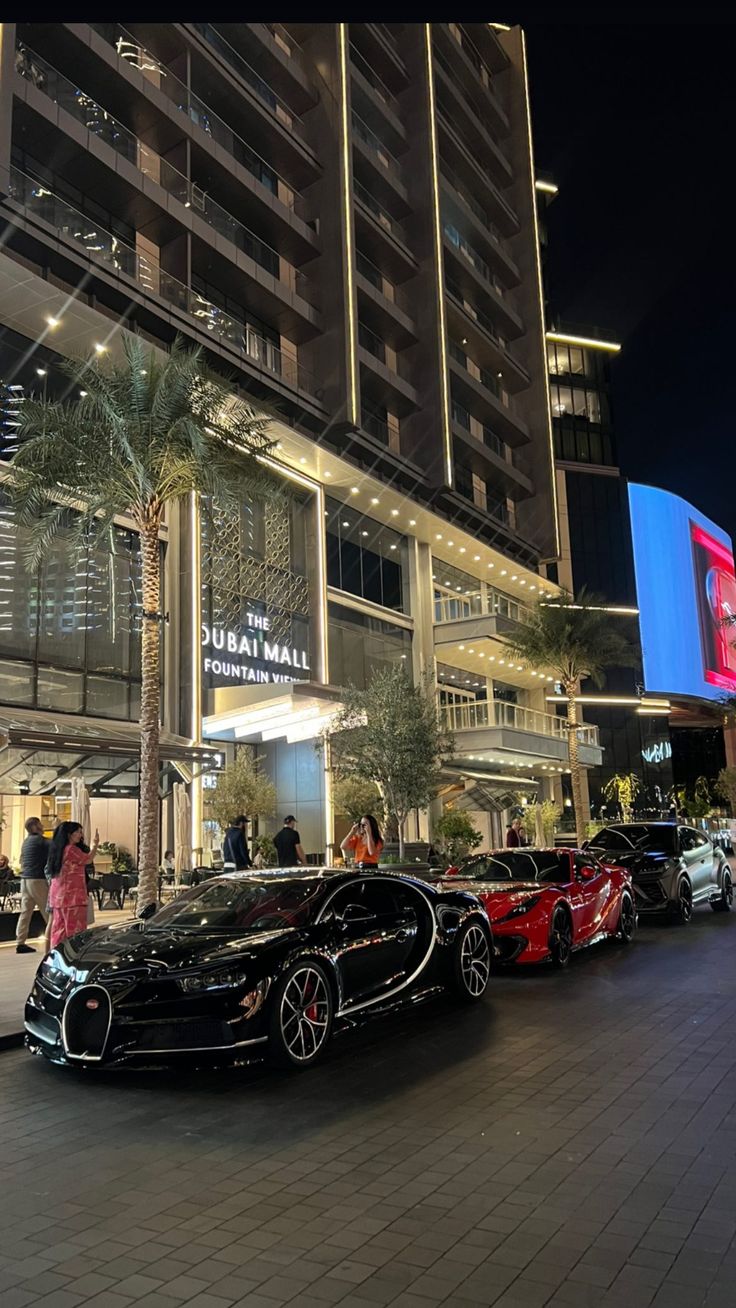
[686, 587]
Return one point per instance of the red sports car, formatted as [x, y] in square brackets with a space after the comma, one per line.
[544, 903]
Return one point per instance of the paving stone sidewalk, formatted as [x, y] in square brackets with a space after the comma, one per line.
[569, 1143]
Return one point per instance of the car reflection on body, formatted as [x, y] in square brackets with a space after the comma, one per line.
[673, 867]
[545, 903]
[249, 964]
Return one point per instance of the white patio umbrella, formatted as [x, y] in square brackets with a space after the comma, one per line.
[80, 807]
[182, 830]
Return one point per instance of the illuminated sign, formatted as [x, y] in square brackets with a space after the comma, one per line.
[659, 752]
[686, 588]
[235, 654]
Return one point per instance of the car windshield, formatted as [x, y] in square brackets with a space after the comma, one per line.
[252, 905]
[520, 865]
[628, 836]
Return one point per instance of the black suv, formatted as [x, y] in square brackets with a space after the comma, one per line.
[672, 867]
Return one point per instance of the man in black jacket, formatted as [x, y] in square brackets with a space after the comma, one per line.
[235, 846]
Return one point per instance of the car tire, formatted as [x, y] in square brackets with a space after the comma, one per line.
[560, 938]
[471, 962]
[302, 1011]
[626, 919]
[724, 902]
[683, 904]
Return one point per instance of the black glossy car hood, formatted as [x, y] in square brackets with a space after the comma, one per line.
[166, 949]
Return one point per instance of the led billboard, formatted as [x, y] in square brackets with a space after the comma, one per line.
[686, 588]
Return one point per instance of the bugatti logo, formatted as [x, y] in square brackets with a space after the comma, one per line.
[92, 1004]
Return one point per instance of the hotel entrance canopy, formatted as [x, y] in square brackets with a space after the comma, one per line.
[291, 711]
[37, 751]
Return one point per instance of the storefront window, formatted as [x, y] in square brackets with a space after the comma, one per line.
[366, 559]
[360, 645]
[76, 617]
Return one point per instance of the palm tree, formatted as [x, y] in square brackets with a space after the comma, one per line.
[573, 639]
[144, 433]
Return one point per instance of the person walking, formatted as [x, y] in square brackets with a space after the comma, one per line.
[288, 844]
[67, 866]
[235, 850]
[365, 841]
[34, 890]
[514, 837]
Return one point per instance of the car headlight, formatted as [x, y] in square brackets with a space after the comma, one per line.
[224, 979]
[521, 909]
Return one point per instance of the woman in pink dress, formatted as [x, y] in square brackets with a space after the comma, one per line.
[68, 859]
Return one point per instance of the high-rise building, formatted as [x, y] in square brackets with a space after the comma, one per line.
[658, 721]
[343, 216]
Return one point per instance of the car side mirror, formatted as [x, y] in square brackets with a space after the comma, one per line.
[586, 873]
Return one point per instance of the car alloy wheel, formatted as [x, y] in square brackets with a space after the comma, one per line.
[301, 1016]
[627, 919]
[723, 904]
[471, 962]
[684, 901]
[560, 942]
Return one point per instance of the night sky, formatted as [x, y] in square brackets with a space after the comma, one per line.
[636, 124]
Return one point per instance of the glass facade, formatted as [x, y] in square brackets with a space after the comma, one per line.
[360, 646]
[366, 559]
[70, 631]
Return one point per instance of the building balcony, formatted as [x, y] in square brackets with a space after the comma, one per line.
[382, 236]
[272, 49]
[53, 217]
[468, 216]
[483, 342]
[498, 411]
[497, 725]
[479, 285]
[483, 613]
[459, 55]
[110, 57]
[378, 44]
[248, 75]
[129, 160]
[377, 105]
[376, 357]
[384, 306]
[464, 118]
[377, 168]
[455, 149]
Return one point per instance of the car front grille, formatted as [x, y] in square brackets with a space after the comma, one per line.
[649, 893]
[86, 1023]
[204, 1034]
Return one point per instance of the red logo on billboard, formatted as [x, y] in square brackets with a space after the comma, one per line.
[715, 583]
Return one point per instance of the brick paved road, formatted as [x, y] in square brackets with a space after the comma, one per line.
[570, 1142]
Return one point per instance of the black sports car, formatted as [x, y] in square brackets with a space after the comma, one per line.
[247, 964]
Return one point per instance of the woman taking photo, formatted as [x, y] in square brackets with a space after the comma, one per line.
[68, 860]
[364, 841]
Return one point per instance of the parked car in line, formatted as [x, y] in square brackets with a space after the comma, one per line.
[248, 963]
[673, 867]
[545, 903]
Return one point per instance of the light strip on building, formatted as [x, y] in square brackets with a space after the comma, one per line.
[549, 188]
[196, 616]
[593, 608]
[352, 404]
[540, 293]
[653, 712]
[588, 341]
[657, 705]
[439, 259]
